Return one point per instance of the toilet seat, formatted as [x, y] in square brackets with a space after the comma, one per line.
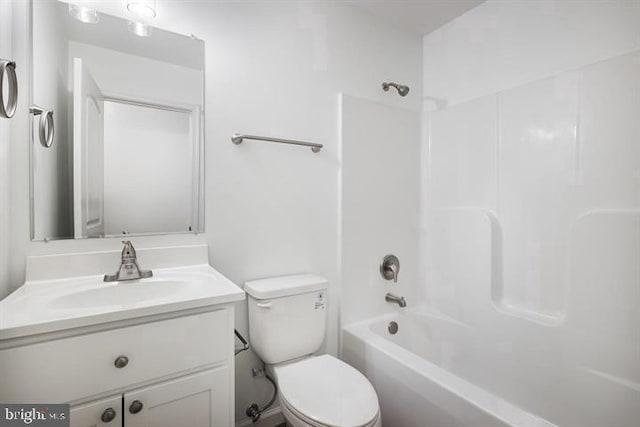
[323, 391]
[296, 419]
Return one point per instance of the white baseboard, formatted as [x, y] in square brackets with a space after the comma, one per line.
[269, 418]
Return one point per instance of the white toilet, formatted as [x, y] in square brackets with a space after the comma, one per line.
[287, 323]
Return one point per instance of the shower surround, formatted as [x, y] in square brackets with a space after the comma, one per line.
[524, 305]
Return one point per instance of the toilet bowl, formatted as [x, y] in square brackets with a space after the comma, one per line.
[287, 324]
[323, 391]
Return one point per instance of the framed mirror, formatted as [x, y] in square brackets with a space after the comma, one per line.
[116, 127]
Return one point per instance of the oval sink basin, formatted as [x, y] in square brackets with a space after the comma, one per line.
[120, 294]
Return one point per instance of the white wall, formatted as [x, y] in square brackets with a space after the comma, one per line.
[52, 183]
[272, 68]
[502, 44]
[6, 52]
[531, 198]
[380, 202]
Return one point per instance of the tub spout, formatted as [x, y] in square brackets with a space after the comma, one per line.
[395, 299]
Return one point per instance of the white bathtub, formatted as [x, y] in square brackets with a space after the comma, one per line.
[437, 372]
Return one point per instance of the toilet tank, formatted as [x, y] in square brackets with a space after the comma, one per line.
[287, 316]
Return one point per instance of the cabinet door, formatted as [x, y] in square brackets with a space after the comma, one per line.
[92, 414]
[199, 400]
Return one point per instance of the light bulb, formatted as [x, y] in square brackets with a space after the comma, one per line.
[139, 29]
[144, 9]
[84, 14]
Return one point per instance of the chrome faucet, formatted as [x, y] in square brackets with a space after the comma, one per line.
[129, 269]
[395, 299]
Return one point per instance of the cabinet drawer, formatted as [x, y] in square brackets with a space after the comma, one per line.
[73, 368]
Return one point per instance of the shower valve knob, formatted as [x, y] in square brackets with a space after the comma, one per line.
[390, 267]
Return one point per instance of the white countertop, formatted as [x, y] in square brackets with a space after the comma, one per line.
[43, 306]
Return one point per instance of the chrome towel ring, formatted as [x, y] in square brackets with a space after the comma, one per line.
[8, 108]
[46, 129]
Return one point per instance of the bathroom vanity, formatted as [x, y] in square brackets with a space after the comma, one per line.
[151, 352]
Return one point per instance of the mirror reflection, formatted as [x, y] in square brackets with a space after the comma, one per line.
[116, 135]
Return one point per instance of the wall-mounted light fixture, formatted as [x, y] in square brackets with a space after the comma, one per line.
[83, 13]
[143, 11]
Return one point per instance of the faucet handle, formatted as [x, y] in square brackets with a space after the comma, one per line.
[394, 271]
[128, 251]
[390, 267]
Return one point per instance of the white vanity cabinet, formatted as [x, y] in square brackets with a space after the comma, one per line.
[190, 400]
[172, 370]
[153, 352]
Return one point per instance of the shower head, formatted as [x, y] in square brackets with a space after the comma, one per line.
[402, 89]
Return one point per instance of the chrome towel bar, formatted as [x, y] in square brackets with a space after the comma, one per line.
[237, 139]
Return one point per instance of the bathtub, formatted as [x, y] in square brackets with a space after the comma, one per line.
[438, 372]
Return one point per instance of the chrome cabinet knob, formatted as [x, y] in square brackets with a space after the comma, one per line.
[135, 407]
[108, 415]
[121, 361]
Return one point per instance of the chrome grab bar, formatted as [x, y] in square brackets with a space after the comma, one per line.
[7, 111]
[46, 129]
[237, 139]
[245, 343]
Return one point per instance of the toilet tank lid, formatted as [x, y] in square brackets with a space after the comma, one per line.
[283, 286]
